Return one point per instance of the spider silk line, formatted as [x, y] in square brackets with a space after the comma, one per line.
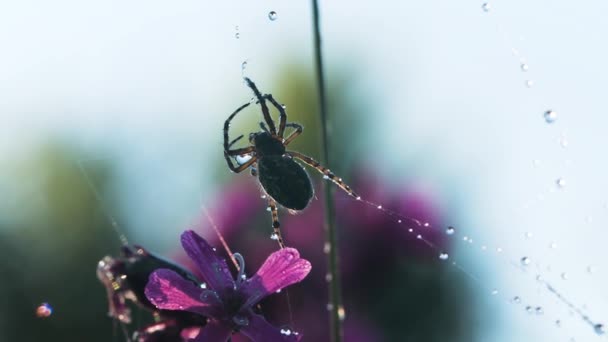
[523, 65]
[122, 237]
[419, 224]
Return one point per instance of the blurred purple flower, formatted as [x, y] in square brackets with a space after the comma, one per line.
[228, 304]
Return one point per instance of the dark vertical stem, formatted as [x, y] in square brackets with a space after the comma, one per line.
[335, 297]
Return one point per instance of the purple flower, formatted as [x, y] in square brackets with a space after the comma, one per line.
[227, 303]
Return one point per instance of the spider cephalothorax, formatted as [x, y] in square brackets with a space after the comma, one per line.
[283, 179]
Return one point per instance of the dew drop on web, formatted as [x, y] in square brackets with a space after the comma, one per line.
[450, 230]
[550, 116]
[525, 261]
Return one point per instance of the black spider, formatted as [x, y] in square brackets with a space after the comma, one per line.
[284, 180]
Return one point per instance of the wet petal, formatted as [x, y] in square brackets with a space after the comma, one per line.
[167, 290]
[213, 269]
[281, 269]
[259, 330]
[214, 331]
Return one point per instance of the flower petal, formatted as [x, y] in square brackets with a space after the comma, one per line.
[261, 331]
[281, 269]
[213, 269]
[167, 290]
[214, 331]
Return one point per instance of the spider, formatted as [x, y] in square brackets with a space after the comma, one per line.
[284, 181]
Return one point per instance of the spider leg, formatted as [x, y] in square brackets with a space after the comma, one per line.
[235, 140]
[282, 114]
[227, 125]
[239, 151]
[325, 171]
[298, 130]
[262, 102]
[240, 168]
[275, 222]
[263, 126]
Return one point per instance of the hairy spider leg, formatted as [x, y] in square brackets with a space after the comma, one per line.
[263, 127]
[227, 125]
[325, 171]
[235, 140]
[297, 131]
[262, 102]
[282, 114]
[275, 221]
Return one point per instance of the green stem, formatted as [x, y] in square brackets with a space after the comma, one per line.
[336, 310]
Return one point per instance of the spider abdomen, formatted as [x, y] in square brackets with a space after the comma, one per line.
[285, 181]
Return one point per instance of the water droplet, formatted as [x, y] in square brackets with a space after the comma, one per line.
[443, 256]
[274, 236]
[553, 245]
[358, 198]
[524, 67]
[563, 141]
[528, 235]
[410, 230]
[286, 332]
[237, 35]
[564, 275]
[419, 237]
[498, 250]
[263, 196]
[529, 83]
[450, 230]
[426, 224]
[398, 221]
[341, 313]
[326, 248]
[529, 309]
[486, 7]
[278, 291]
[241, 320]
[590, 269]
[516, 299]
[561, 182]
[243, 65]
[326, 177]
[379, 207]
[494, 292]
[203, 286]
[550, 116]
[558, 323]
[328, 277]
[525, 261]
[539, 310]
[272, 15]
[599, 329]
[465, 238]
[243, 158]
[44, 310]
[268, 209]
